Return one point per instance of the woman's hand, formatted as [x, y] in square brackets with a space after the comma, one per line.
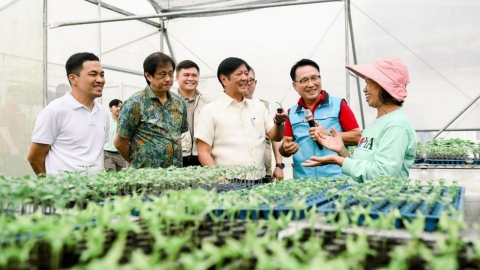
[334, 143]
[321, 161]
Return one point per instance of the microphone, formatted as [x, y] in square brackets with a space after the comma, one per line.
[311, 122]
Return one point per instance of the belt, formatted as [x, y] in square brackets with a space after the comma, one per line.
[112, 152]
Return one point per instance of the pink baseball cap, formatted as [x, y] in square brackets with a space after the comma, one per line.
[389, 72]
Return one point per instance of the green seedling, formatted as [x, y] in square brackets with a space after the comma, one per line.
[280, 107]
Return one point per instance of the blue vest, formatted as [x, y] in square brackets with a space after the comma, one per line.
[327, 115]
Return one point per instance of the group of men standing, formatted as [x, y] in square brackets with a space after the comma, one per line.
[158, 128]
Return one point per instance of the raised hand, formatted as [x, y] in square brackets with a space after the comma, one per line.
[321, 161]
[289, 146]
[334, 143]
[280, 117]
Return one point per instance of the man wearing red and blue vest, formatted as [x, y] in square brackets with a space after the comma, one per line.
[328, 112]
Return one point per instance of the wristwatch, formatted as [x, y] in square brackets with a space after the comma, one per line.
[280, 165]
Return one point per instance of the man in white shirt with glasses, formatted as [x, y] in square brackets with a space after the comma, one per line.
[231, 130]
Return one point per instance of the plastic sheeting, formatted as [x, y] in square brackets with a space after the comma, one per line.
[436, 39]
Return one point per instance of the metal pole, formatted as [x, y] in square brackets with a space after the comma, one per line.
[168, 15]
[45, 48]
[354, 53]
[347, 54]
[122, 12]
[130, 42]
[456, 117]
[161, 35]
[170, 48]
[8, 4]
[100, 99]
[99, 2]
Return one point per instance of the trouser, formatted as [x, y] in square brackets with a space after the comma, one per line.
[191, 161]
[113, 162]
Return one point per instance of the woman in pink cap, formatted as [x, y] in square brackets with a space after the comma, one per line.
[388, 144]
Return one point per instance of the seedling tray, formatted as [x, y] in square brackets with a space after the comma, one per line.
[408, 210]
[232, 186]
[281, 208]
[445, 161]
[418, 160]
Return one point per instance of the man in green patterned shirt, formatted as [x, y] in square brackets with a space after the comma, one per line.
[152, 121]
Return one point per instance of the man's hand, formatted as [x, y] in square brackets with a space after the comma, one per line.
[277, 174]
[334, 143]
[321, 161]
[280, 118]
[289, 146]
[318, 129]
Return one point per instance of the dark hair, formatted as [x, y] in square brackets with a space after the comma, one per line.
[75, 62]
[301, 63]
[187, 64]
[251, 69]
[114, 102]
[228, 66]
[386, 98]
[154, 61]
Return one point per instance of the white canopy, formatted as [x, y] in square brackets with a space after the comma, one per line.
[437, 40]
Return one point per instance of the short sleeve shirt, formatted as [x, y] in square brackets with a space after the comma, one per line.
[235, 131]
[75, 133]
[346, 117]
[154, 129]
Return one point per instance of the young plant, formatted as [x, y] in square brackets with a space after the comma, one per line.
[280, 107]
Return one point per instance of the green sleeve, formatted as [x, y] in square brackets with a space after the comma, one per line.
[387, 159]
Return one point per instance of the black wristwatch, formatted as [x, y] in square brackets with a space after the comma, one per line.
[280, 165]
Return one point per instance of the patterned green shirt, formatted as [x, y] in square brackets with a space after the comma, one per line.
[154, 130]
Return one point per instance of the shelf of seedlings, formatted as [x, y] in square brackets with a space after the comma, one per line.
[447, 153]
[187, 219]
[408, 202]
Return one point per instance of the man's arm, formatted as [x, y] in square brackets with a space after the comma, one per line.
[123, 147]
[205, 153]
[351, 137]
[276, 132]
[277, 172]
[351, 134]
[37, 155]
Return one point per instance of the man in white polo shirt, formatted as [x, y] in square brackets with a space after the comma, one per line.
[70, 132]
[112, 158]
[231, 130]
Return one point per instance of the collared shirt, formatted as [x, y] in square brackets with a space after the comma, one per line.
[113, 129]
[154, 129]
[235, 131]
[190, 102]
[346, 117]
[75, 133]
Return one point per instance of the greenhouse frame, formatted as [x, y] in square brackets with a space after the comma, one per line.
[200, 217]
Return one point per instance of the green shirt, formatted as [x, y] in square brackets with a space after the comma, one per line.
[387, 148]
[154, 129]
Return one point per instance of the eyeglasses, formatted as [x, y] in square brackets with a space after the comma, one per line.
[313, 79]
[251, 81]
[163, 75]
